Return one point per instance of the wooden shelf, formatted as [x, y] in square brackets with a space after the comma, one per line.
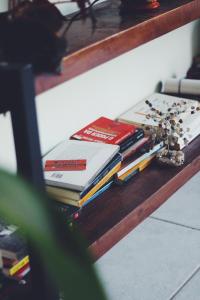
[110, 217]
[115, 35]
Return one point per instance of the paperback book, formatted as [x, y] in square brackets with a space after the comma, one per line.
[133, 163]
[72, 213]
[94, 190]
[97, 156]
[106, 131]
[135, 147]
[77, 195]
[136, 169]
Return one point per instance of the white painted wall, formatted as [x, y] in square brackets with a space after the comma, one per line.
[106, 90]
[3, 5]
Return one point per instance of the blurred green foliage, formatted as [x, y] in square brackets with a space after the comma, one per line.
[69, 266]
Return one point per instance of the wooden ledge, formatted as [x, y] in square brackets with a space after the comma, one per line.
[115, 35]
[109, 218]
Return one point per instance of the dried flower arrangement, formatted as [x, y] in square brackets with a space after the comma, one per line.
[170, 130]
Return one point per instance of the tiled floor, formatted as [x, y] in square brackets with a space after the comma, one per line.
[160, 259]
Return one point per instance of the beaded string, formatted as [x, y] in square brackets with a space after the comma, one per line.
[170, 124]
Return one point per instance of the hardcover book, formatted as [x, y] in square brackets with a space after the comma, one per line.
[97, 156]
[106, 131]
[139, 167]
[135, 147]
[138, 114]
[134, 138]
[94, 190]
[133, 162]
[77, 195]
[71, 212]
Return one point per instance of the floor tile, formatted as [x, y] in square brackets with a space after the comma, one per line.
[191, 291]
[184, 206]
[151, 262]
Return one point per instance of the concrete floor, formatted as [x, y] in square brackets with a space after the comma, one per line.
[160, 259]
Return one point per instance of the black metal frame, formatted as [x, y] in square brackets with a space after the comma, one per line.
[18, 97]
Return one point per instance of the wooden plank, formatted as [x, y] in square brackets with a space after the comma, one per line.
[115, 35]
[110, 217]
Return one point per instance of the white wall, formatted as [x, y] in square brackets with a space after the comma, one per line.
[106, 90]
[3, 5]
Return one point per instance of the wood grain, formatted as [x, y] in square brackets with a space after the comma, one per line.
[110, 217]
[115, 35]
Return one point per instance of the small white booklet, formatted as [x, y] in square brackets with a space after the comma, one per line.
[97, 156]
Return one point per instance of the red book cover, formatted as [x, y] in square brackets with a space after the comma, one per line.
[106, 131]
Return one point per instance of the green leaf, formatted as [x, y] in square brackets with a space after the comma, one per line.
[69, 266]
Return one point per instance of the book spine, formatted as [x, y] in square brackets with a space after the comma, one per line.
[138, 168]
[139, 159]
[133, 140]
[100, 184]
[19, 265]
[135, 147]
[22, 272]
[99, 192]
[102, 174]
[69, 212]
[121, 181]
[124, 137]
[58, 191]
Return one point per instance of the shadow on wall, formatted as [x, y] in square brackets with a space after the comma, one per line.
[195, 39]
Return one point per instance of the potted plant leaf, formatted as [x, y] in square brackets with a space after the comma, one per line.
[69, 267]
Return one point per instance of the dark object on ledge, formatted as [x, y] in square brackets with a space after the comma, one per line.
[28, 35]
[23, 40]
[170, 158]
[194, 70]
[41, 11]
[132, 6]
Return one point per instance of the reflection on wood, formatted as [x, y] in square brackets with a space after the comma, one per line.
[115, 35]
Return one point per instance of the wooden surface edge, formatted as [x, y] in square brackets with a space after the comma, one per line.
[134, 218]
[102, 51]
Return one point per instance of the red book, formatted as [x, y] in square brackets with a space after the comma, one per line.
[106, 131]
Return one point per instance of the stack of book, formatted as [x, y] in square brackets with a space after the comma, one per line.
[103, 145]
[71, 185]
[13, 249]
[129, 137]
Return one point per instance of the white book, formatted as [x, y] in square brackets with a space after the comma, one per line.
[97, 156]
[125, 169]
[137, 114]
